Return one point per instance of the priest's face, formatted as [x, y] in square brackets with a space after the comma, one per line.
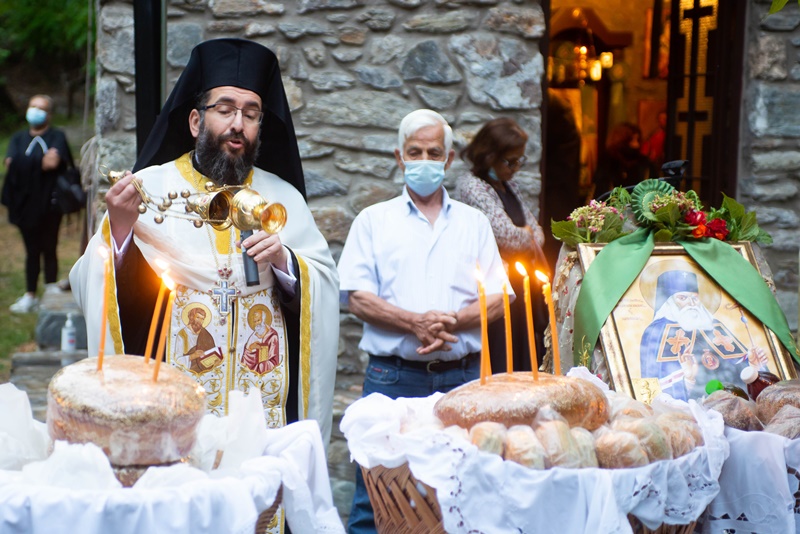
[227, 134]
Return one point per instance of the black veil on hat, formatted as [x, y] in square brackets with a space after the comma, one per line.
[238, 63]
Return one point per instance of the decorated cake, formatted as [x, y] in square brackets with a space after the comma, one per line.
[137, 422]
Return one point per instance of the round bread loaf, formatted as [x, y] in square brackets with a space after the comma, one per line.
[137, 422]
[775, 397]
[514, 399]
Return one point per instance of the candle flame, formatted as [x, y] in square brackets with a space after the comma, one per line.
[543, 277]
[169, 282]
[521, 269]
[478, 273]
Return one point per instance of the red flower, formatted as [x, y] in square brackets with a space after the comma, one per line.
[700, 231]
[718, 229]
[695, 217]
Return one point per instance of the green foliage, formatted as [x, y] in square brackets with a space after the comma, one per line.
[670, 214]
[743, 225]
[568, 232]
[44, 30]
[777, 5]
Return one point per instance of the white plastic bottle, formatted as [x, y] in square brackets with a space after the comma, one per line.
[68, 332]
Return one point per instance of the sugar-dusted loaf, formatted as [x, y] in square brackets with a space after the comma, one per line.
[137, 422]
[515, 399]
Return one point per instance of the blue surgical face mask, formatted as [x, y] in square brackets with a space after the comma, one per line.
[493, 175]
[36, 116]
[424, 176]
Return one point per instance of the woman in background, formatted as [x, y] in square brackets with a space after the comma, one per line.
[34, 160]
[496, 153]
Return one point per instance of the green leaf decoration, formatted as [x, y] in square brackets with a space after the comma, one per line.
[663, 236]
[669, 215]
[748, 227]
[620, 197]
[734, 209]
[764, 237]
[612, 229]
[643, 194]
[567, 232]
[777, 5]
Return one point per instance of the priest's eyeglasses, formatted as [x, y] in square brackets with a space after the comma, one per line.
[515, 163]
[227, 112]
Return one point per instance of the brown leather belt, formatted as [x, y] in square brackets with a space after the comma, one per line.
[433, 366]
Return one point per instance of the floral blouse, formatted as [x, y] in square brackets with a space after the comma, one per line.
[511, 239]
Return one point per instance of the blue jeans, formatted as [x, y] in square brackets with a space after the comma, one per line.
[397, 380]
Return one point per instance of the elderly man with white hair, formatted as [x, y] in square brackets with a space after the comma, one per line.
[408, 271]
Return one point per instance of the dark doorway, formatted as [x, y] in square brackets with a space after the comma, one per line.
[689, 65]
[705, 87]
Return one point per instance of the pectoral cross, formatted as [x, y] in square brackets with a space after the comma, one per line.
[678, 341]
[223, 294]
[722, 340]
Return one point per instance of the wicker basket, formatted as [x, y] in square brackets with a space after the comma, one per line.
[265, 518]
[639, 528]
[401, 508]
[402, 504]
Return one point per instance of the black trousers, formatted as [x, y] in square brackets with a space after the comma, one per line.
[41, 242]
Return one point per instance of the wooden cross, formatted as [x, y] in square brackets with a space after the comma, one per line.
[694, 83]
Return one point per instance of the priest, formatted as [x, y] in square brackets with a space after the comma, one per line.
[227, 121]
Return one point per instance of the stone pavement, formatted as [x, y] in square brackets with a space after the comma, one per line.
[31, 372]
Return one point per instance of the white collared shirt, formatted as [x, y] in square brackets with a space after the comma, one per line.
[393, 252]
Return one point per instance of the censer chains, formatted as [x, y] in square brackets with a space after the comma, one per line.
[219, 206]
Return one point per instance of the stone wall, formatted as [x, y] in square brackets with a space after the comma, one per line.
[769, 167]
[352, 69]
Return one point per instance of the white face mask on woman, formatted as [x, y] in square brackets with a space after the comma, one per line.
[424, 176]
[35, 116]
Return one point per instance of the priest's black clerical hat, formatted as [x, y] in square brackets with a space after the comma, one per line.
[238, 63]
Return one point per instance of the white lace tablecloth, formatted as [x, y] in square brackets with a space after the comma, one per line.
[760, 486]
[481, 493]
[74, 489]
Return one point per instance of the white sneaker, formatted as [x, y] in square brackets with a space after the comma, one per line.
[25, 304]
[52, 288]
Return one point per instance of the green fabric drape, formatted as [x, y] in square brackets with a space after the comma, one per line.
[619, 263]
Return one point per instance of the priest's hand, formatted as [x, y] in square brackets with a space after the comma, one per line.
[123, 201]
[690, 368]
[264, 247]
[757, 357]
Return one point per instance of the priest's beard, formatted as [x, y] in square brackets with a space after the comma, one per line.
[218, 164]
[689, 318]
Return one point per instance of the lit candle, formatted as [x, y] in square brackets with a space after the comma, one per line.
[509, 342]
[148, 351]
[529, 314]
[486, 366]
[165, 324]
[107, 273]
[548, 298]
